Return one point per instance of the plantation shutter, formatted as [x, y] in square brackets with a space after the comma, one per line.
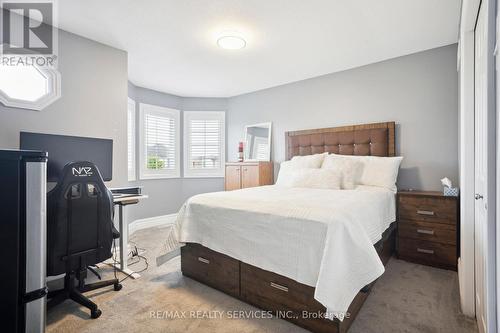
[204, 143]
[160, 142]
[131, 139]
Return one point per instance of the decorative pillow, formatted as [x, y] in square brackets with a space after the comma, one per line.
[376, 170]
[296, 163]
[285, 174]
[316, 178]
[308, 161]
[350, 169]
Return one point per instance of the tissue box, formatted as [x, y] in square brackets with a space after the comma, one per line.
[450, 191]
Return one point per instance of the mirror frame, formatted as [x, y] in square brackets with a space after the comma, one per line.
[245, 150]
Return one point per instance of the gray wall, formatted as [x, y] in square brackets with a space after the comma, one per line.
[93, 101]
[167, 195]
[418, 91]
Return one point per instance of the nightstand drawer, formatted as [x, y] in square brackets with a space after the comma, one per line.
[435, 209]
[430, 253]
[428, 231]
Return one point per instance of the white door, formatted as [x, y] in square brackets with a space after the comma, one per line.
[484, 178]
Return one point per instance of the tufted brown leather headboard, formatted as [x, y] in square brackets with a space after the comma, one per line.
[368, 139]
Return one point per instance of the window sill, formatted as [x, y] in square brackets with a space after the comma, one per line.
[148, 177]
[204, 176]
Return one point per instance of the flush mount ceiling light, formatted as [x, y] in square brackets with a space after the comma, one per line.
[231, 42]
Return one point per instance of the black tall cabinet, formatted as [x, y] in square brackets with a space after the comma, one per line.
[23, 240]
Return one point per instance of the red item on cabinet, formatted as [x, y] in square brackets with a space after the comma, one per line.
[240, 152]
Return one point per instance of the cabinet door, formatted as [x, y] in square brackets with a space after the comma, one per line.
[249, 176]
[233, 177]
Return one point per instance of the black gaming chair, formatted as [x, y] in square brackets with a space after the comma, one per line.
[80, 232]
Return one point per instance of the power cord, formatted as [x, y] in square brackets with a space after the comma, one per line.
[134, 253]
[140, 249]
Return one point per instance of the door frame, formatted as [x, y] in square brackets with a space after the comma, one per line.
[488, 10]
[466, 265]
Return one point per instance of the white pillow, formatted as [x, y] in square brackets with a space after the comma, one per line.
[308, 161]
[296, 163]
[285, 174]
[381, 171]
[316, 178]
[376, 170]
[350, 169]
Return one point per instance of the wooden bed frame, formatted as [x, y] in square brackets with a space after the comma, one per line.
[285, 297]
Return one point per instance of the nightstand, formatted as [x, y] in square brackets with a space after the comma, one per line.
[428, 228]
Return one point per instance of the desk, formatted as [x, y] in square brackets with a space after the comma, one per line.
[121, 202]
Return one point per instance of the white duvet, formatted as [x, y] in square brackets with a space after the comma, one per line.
[319, 237]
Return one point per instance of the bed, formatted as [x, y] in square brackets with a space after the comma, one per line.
[292, 251]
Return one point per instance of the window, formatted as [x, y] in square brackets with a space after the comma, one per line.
[204, 138]
[159, 144]
[131, 139]
[28, 87]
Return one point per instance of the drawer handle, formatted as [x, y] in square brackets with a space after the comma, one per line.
[427, 232]
[425, 251]
[425, 212]
[279, 286]
[203, 260]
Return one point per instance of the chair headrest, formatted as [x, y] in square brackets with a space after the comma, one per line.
[82, 171]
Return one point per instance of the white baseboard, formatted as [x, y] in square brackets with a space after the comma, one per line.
[156, 221]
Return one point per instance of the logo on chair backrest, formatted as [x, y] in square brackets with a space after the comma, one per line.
[82, 172]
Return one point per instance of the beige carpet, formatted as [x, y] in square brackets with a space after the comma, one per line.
[407, 298]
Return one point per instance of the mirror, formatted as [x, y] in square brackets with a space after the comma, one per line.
[258, 142]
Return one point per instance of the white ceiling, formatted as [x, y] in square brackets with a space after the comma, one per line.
[172, 43]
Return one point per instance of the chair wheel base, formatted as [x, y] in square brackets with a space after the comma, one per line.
[95, 314]
[118, 286]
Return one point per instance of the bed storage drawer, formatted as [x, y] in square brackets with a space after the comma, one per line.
[210, 267]
[291, 300]
[431, 253]
[279, 292]
[428, 209]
